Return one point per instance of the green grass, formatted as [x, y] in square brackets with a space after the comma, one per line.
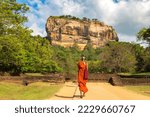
[144, 90]
[34, 74]
[34, 91]
[135, 74]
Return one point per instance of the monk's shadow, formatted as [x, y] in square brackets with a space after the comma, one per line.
[61, 96]
[69, 97]
[76, 96]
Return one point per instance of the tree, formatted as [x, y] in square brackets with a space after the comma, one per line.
[144, 35]
[94, 66]
[146, 59]
[12, 53]
[89, 51]
[118, 57]
[11, 16]
[139, 54]
[19, 50]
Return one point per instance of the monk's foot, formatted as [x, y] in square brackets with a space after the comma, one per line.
[81, 96]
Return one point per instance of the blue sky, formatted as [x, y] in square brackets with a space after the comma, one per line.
[126, 16]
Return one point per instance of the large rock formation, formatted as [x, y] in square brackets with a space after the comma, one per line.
[68, 30]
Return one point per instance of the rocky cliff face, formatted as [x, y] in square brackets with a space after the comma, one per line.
[66, 31]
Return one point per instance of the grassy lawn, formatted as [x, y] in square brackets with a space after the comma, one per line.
[145, 90]
[34, 91]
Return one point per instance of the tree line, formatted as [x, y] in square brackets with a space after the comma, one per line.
[20, 52]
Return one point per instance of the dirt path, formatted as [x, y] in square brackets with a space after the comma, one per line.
[97, 91]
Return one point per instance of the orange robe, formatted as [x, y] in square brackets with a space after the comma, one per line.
[81, 80]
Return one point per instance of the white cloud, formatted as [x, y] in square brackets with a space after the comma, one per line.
[126, 16]
[37, 30]
[70, 7]
[124, 37]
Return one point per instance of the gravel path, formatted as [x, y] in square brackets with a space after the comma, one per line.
[97, 91]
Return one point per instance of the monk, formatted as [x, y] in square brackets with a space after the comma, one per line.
[82, 76]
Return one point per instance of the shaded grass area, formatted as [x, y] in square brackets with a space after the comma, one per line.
[34, 91]
[144, 90]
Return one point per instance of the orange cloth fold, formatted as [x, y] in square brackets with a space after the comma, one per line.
[81, 74]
